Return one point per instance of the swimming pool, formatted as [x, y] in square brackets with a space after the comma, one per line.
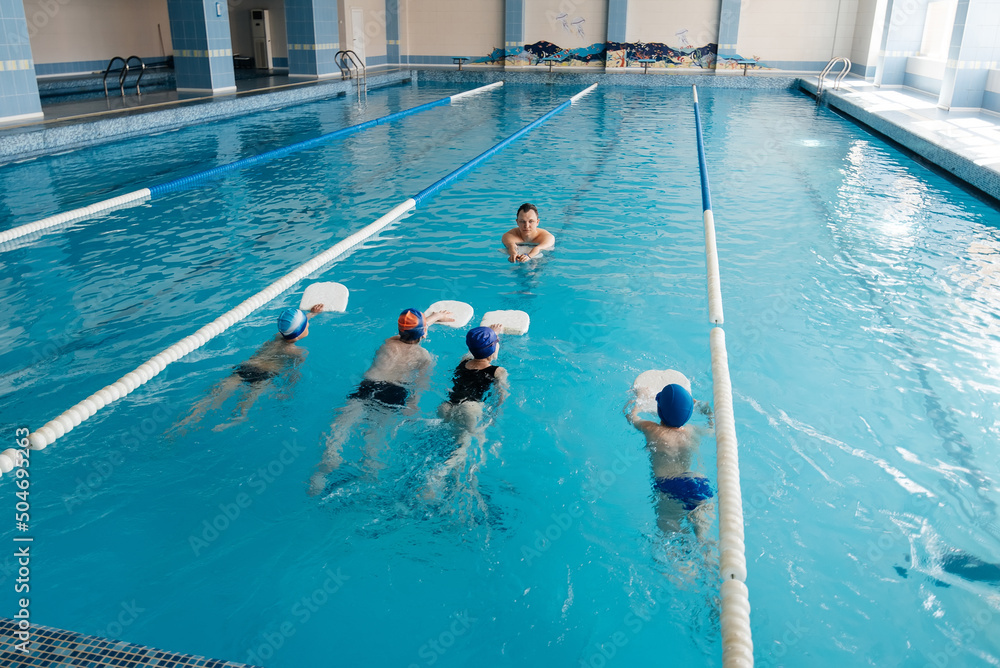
[860, 293]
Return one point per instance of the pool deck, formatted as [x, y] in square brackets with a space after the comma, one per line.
[964, 143]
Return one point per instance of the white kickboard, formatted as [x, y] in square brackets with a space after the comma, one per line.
[333, 297]
[462, 312]
[524, 249]
[649, 384]
[514, 322]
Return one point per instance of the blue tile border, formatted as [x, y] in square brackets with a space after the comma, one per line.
[980, 177]
[81, 66]
[924, 84]
[51, 648]
[22, 143]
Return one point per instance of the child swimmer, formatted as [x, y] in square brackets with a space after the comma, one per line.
[682, 493]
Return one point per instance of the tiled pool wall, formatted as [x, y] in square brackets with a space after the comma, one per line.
[50, 647]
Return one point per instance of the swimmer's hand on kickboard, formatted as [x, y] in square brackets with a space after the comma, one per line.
[514, 322]
[333, 297]
[460, 311]
[522, 252]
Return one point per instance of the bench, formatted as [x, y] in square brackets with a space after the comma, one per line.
[645, 64]
[746, 62]
[459, 60]
[551, 60]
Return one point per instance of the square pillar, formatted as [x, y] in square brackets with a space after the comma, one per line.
[729, 28]
[901, 36]
[18, 88]
[392, 31]
[971, 55]
[617, 18]
[313, 38]
[203, 49]
[513, 26]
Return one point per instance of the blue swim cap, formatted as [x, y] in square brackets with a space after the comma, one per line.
[482, 342]
[292, 322]
[411, 325]
[674, 405]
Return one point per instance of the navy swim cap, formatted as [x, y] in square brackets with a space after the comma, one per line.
[292, 322]
[674, 405]
[411, 325]
[482, 342]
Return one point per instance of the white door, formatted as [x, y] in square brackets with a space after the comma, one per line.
[358, 32]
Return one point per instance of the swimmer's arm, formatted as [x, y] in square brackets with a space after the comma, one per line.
[317, 308]
[503, 387]
[510, 241]
[706, 409]
[420, 383]
[545, 242]
[438, 316]
[632, 415]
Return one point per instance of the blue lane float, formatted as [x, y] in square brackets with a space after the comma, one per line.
[145, 194]
[69, 419]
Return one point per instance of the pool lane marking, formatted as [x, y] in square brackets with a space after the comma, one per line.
[432, 189]
[711, 252]
[737, 641]
[66, 421]
[140, 196]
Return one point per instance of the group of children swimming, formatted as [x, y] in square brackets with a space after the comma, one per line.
[399, 372]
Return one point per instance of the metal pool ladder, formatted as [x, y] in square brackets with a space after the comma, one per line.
[351, 67]
[124, 73]
[840, 75]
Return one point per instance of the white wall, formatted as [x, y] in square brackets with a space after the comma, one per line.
[451, 27]
[239, 26]
[660, 20]
[542, 22]
[796, 30]
[96, 29]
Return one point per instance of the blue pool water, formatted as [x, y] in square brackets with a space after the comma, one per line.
[861, 295]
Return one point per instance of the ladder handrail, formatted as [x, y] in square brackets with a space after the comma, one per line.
[345, 70]
[359, 67]
[840, 75]
[107, 70]
[125, 71]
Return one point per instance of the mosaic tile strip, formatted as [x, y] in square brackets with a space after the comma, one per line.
[53, 647]
[540, 76]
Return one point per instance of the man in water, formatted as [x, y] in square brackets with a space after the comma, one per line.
[681, 493]
[275, 357]
[527, 233]
[400, 367]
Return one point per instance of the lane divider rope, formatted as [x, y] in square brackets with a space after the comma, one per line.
[71, 418]
[737, 640]
[145, 194]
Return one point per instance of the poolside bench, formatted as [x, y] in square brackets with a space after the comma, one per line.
[459, 60]
[746, 62]
[645, 63]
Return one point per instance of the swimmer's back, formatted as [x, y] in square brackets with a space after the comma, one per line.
[397, 362]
